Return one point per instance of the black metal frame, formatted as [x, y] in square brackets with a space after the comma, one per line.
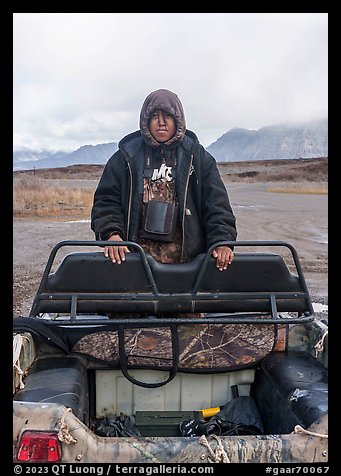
[155, 295]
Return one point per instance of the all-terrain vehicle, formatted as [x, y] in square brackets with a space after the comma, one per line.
[146, 362]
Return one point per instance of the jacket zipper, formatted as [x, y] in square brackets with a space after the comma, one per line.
[130, 197]
[184, 210]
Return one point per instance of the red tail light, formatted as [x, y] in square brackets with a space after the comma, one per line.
[39, 446]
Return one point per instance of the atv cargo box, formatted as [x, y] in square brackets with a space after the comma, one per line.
[146, 362]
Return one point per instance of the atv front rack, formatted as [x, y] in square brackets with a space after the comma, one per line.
[257, 288]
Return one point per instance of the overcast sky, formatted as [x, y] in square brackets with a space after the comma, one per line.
[81, 78]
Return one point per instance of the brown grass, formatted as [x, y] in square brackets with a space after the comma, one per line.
[278, 170]
[311, 188]
[32, 197]
[79, 171]
[36, 196]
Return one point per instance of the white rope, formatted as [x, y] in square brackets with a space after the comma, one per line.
[299, 429]
[17, 346]
[319, 346]
[219, 455]
[64, 434]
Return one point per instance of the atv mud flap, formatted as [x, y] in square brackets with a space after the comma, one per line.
[80, 444]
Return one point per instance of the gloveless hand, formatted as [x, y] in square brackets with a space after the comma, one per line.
[116, 253]
[224, 257]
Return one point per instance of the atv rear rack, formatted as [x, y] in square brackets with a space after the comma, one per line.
[257, 288]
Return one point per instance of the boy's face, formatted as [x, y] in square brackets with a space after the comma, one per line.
[162, 126]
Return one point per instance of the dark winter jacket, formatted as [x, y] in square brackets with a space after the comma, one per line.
[206, 216]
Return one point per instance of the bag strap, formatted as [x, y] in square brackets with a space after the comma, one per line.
[124, 359]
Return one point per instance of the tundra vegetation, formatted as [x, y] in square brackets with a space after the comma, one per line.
[68, 191]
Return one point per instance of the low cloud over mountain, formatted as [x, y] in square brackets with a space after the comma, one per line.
[288, 141]
[87, 154]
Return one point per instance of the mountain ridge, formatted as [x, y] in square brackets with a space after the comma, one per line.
[86, 154]
[283, 141]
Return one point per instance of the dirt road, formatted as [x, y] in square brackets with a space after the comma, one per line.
[300, 219]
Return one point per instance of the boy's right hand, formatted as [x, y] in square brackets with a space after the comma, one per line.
[116, 253]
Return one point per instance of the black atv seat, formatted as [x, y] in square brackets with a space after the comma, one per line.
[61, 379]
[290, 389]
[93, 284]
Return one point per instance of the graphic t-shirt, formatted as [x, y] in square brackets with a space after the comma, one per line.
[160, 186]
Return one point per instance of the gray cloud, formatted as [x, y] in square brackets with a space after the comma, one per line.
[81, 78]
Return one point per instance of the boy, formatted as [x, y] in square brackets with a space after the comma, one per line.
[163, 190]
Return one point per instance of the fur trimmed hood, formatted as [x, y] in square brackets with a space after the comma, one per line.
[167, 101]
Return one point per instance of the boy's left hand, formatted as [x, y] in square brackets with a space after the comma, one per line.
[224, 256]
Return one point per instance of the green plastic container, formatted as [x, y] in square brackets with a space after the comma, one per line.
[156, 423]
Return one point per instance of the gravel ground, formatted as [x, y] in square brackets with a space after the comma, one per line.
[299, 219]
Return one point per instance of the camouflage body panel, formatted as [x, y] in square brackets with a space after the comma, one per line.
[81, 445]
[201, 347]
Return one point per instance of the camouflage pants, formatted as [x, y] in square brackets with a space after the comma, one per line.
[168, 253]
